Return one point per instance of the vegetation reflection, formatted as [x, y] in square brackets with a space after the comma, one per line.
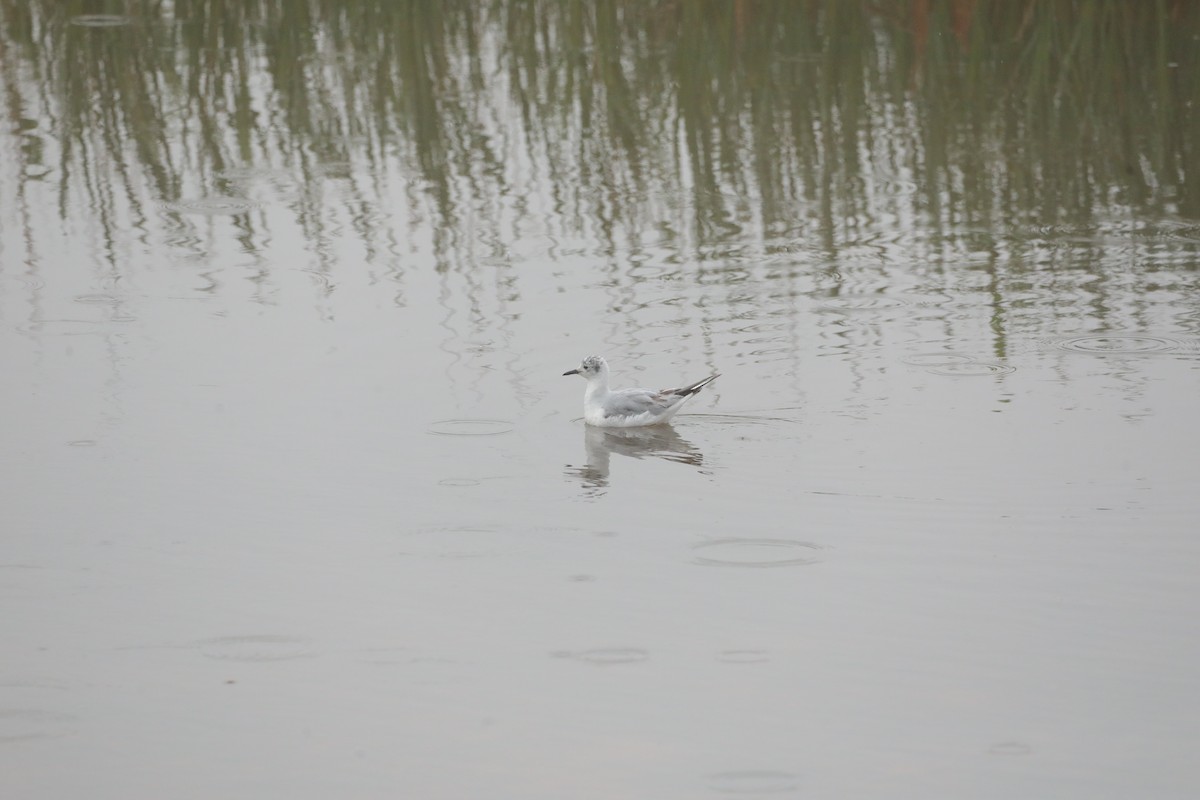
[691, 124]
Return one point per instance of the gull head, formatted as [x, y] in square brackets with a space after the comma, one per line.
[590, 369]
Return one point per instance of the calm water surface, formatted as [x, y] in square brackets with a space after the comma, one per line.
[295, 500]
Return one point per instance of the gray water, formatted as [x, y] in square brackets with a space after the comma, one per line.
[296, 502]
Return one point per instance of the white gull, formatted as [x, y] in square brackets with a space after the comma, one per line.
[628, 408]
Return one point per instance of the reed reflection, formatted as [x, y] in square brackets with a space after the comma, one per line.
[656, 441]
[892, 133]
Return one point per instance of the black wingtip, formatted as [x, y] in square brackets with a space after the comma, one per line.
[696, 387]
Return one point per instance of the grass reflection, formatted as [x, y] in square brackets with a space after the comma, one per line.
[690, 123]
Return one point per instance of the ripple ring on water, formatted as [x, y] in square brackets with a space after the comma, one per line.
[753, 781]
[213, 206]
[256, 648]
[937, 359]
[608, 656]
[97, 299]
[101, 20]
[757, 553]
[1119, 344]
[972, 369]
[471, 427]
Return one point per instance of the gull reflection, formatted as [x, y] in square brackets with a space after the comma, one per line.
[659, 441]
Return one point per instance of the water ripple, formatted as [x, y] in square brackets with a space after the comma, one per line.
[849, 304]
[606, 656]
[753, 781]
[757, 553]
[97, 299]
[26, 724]
[744, 656]
[937, 359]
[257, 648]
[972, 369]
[458, 482]
[470, 427]
[1124, 344]
[212, 206]
[101, 20]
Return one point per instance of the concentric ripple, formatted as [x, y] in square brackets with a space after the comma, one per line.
[101, 20]
[97, 299]
[212, 206]
[754, 781]
[471, 427]
[972, 369]
[607, 656]
[257, 648]
[758, 553]
[937, 359]
[1120, 344]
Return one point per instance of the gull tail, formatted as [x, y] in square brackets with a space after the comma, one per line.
[692, 388]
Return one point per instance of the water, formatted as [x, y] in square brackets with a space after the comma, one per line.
[296, 500]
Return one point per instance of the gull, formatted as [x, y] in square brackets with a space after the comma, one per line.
[628, 408]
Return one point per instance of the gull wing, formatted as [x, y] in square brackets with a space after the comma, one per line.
[631, 402]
